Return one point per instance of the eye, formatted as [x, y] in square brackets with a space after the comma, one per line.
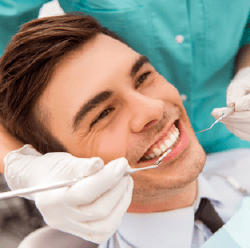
[141, 79]
[102, 115]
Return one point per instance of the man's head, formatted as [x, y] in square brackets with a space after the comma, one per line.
[27, 66]
[103, 99]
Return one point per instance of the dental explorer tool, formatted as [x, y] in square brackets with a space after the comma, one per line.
[156, 164]
[228, 112]
[41, 188]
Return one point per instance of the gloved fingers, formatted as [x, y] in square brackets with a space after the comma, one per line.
[103, 206]
[27, 149]
[111, 222]
[16, 171]
[217, 112]
[240, 132]
[63, 166]
[20, 156]
[243, 103]
[81, 167]
[235, 92]
[99, 209]
[46, 201]
[237, 119]
[239, 86]
[97, 231]
[90, 188]
[49, 168]
[61, 196]
[237, 123]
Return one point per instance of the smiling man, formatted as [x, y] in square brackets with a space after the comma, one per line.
[97, 97]
[106, 100]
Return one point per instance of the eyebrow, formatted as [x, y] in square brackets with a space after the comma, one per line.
[103, 96]
[138, 64]
[89, 106]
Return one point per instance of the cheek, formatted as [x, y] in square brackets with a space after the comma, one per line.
[170, 93]
[111, 143]
[162, 89]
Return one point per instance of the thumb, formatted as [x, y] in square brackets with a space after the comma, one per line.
[217, 112]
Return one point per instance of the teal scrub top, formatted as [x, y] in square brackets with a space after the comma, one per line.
[192, 43]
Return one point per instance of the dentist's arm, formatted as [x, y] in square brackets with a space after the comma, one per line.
[238, 95]
[91, 209]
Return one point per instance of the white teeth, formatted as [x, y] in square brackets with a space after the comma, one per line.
[168, 143]
[176, 134]
[172, 138]
[163, 147]
[152, 155]
[157, 151]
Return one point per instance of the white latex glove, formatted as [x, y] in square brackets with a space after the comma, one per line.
[238, 96]
[92, 208]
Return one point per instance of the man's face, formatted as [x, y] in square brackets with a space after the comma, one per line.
[105, 100]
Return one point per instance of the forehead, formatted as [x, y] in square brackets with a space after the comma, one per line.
[101, 58]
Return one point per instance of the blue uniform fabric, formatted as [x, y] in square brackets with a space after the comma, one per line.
[200, 67]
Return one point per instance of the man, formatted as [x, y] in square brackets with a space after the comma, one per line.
[93, 96]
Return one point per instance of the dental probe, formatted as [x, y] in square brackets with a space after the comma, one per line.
[41, 188]
[156, 164]
[228, 112]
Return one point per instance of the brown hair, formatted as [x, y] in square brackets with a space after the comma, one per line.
[26, 68]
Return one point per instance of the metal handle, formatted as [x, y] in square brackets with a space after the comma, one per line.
[36, 189]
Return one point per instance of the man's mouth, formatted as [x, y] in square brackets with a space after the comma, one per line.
[167, 141]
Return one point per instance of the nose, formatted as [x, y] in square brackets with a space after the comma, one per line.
[146, 112]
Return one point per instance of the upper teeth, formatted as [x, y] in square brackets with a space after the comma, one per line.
[165, 145]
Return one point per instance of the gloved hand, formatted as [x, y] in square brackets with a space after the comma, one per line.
[92, 208]
[238, 96]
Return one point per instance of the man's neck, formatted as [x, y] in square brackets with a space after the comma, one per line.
[174, 199]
